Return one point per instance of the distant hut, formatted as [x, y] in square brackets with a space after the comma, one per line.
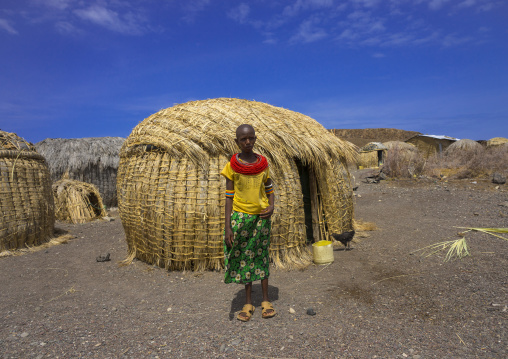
[363, 136]
[497, 141]
[464, 147]
[91, 160]
[77, 202]
[372, 155]
[429, 145]
[171, 195]
[26, 203]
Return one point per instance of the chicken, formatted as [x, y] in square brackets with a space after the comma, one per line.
[344, 238]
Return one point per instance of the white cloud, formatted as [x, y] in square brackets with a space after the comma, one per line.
[58, 4]
[239, 13]
[453, 40]
[467, 3]
[67, 28]
[308, 32]
[4, 24]
[378, 55]
[437, 4]
[300, 5]
[366, 3]
[127, 23]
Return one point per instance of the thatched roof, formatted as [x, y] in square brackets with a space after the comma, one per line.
[363, 136]
[25, 199]
[497, 141]
[12, 142]
[77, 202]
[373, 146]
[464, 145]
[404, 146]
[75, 154]
[170, 192]
[197, 129]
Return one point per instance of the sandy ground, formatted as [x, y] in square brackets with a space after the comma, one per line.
[378, 300]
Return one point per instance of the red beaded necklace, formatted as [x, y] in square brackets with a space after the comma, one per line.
[246, 168]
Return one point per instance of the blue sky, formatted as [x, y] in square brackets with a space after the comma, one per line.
[87, 68]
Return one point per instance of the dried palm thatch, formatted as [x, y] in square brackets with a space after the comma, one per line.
[372, 155]
[399, 145]
[171, 195]
[27, 212]
[77, 202]
[464, 146]
[497, 141]
[91, 160]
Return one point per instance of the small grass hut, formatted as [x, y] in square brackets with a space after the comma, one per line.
[464, 147]
[91, 160]
[497, 141]
[430, 145]
[77, 202]
[372, 155]
[27, 215]
[171, 194]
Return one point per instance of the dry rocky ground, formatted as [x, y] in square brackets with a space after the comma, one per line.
[378, 300]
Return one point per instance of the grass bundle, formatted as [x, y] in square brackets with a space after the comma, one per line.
[171, 193]
[26, 204]
[372, 155]
[466, 146]
[497, 141]
[458, 248]
[77, 202]
[92, 160]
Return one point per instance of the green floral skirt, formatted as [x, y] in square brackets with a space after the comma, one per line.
[248, 258]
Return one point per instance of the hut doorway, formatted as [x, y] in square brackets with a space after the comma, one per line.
[380, 159]
[310, 201]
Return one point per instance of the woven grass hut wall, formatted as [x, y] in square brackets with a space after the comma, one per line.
[464, 147]
[372, 155]
[430, 145]
[171, 194]
[27, 215]
[92, 160]
[77, 202]
[497, 141]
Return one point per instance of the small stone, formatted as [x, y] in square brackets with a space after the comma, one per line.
[169, 309]
[222, 347]
[292, 311]
[498, 178]
[236, 342]
[42, 344]
[24, 335]
[291, 337]
[311, 311]
[417, 356]
[103, 258]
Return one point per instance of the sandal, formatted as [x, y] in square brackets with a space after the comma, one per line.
[267, 310]
[246, 313]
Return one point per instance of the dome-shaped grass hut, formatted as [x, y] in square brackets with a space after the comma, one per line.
[26, 203]
[464, 147]
[372, 155]
[171, 195]
[77, 202]
[91, 160]
[497, 141]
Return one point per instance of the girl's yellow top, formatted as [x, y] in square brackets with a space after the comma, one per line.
[250, 196]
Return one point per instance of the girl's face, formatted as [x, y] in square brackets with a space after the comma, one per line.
[246, 140]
